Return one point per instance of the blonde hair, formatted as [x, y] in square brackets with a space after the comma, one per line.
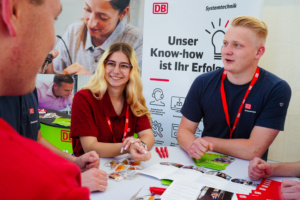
[258, 26]
[134, 89]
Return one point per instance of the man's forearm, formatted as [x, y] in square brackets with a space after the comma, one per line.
[240, 148]
[185, 139]
[55, 150]
[286, 169]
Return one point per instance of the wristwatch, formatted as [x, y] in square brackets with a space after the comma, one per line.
[144, 144]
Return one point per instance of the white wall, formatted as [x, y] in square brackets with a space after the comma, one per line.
[282, 57]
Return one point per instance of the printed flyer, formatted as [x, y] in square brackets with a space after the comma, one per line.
[214, 161]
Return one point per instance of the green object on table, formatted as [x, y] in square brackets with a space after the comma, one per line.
[59, 137]
[166, 181]
[62, 121]
[213, 161]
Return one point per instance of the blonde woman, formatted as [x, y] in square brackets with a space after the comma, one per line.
[111, 108]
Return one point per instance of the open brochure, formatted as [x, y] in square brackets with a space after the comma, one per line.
[172, 171]
[198, 190]
[199, 180]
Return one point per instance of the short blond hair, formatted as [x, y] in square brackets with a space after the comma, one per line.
[258, 26]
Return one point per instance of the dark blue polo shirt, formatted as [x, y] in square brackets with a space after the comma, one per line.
[21, 112]
[267, 102]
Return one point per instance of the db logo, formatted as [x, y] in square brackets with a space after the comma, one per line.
[65, 136]
[160, 8]
[248, 106]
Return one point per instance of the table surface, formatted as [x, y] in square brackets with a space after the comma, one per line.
[125, 189]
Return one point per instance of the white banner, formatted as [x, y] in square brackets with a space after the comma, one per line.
[183, 39]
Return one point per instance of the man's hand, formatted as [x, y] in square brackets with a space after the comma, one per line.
[259, 168]
[198, 148]
[76, 68]
[139, 153]
[94, 179]
[88, 160]
[49, 69]
[290, 189]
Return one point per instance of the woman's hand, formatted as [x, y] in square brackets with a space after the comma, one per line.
[76, 68]
[139, 153]
[128, 141]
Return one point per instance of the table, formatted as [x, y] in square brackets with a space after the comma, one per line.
[125, 189]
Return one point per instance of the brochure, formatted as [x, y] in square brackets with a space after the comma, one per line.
[214, 161]
[267, 189]
[173, 171]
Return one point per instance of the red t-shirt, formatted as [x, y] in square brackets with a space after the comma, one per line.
[30, 171]
[88, 118]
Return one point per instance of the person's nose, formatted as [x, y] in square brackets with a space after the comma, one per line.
[117, 69]
[93, 21]
[69, 93]
[226, 50]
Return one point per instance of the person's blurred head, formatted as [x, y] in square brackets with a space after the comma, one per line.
[243, 44]
[101, 18]
[62, 85]
[27, 35]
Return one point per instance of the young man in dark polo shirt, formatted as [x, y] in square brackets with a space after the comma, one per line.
[243, 106]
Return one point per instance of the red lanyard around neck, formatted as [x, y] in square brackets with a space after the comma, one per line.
[224, 102]
[125, 128]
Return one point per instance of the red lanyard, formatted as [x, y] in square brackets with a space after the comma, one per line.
[126, 125]
[223, 96]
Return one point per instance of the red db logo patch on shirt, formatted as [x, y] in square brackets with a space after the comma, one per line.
[31, 111]
[248, 106]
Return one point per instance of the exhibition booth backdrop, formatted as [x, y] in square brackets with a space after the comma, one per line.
[182, 39]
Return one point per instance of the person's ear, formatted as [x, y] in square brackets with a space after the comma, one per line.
[8, 16]
[124, 13]
[55, 86]
[260, 51]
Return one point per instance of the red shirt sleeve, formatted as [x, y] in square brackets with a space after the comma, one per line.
[82, 122]
[40, 173]
[142, 123]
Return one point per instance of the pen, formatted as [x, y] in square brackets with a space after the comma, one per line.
[162, 151]
[167, 154]
[157, 150]
[157, 190]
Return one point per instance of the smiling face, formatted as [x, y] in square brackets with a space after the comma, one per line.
[101, 18]
[117, 77]
[241, 49]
